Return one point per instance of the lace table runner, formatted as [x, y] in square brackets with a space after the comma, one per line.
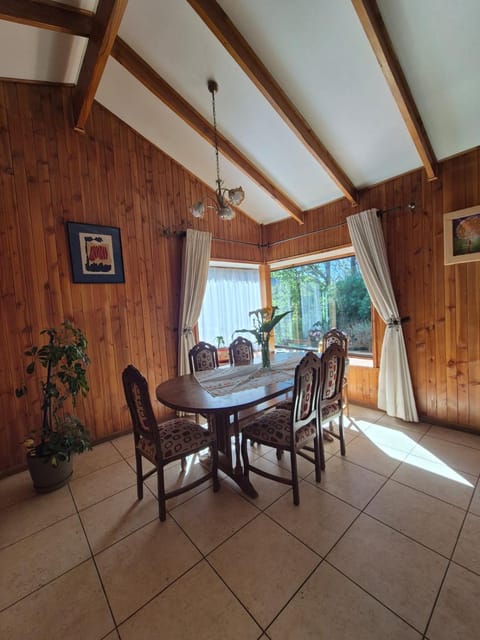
[226, 380]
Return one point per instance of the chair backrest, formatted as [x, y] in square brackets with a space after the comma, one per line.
[240, 351]
[139, 403]
[308, 380]
[203, 356]
[335, 336]
[333, 373]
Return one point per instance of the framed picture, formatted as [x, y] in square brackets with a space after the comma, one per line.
[95, 253]
[461, 235]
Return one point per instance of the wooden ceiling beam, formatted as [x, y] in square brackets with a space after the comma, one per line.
[129, 59]
[106, 23]
[48, 15]
[376, 32]
[223, 28]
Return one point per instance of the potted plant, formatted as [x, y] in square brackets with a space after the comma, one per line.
[222, 350]
[50, 447]
[264, 321]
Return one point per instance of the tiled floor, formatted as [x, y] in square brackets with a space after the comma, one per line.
[385, 547]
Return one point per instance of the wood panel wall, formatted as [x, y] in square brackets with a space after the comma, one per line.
[50, 174]
[443, 302]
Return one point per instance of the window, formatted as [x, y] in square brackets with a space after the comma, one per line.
[322, 295]
[230, 294]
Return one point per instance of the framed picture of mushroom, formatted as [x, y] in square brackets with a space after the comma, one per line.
[461, 235]
[95, 253]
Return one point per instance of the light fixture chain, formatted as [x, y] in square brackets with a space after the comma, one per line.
[215, 140]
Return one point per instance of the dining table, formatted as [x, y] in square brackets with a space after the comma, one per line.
[227, 396]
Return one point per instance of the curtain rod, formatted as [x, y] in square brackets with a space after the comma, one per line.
[181, 232]
[410, 205]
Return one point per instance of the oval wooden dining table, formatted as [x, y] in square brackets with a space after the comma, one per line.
[224, 414]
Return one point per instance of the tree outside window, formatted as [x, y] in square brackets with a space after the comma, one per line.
[323, 295]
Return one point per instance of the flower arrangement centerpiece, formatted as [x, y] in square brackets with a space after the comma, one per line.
[264, 320]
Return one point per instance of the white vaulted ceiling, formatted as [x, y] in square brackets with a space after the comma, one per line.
[318, 53]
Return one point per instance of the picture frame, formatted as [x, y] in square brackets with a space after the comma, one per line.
[461, 235]
[95, 253]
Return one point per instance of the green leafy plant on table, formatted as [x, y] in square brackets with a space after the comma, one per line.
[264, 320]
[65, 360]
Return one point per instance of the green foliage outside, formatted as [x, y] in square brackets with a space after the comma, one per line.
[323, 295]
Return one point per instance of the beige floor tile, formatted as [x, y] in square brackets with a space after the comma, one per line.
[456, 436]
[102, 484]
[437, 479]
[125, 445]
[365, 413]
[304, 467]
[268, 490]
[331, 607]
[73, 606]
[427, 520]
[263, 565]
[114, 518]
[475, 504]
[348, 481]
[390, 421]
[102, 455]
[30, 515]
[457, 614]
[318, 521]
[467, 551]
[138, 567]
[458, 457]
[391, 436]
[175, 478]
[15, 488]
[381, 459]
[41, 557]
[198, 606]
[371, 554]
[227, 512]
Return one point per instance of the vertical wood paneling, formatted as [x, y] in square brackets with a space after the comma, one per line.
[49, 175]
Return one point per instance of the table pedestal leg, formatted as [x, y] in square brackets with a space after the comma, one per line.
[225, 458]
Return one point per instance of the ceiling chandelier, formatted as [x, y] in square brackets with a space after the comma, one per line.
[224, 198]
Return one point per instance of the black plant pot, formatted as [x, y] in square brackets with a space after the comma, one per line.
[46, 478]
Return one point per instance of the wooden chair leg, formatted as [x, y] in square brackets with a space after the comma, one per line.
[139, 469]
[293, 464]
[214, 455]
[162, 509]
[318, 459]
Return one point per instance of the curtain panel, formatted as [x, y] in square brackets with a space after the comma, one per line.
[395, 390]
[196, 258]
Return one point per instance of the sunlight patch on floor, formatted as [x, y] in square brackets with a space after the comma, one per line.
[396, 444]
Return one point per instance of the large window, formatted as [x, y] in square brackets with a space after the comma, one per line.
[230, 294]
[322, 295]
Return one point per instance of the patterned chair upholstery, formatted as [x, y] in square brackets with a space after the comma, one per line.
[163, 443]
[335, 336]
[331, 398]
[240, 351]
[203, 356]
[291, 430]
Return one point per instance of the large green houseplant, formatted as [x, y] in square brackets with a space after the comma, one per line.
[64, 360]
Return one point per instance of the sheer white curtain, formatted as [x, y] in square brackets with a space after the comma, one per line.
[395, 391]
[196, 257]
[230, 294]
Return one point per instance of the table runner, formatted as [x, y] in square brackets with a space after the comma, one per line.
[226, 380]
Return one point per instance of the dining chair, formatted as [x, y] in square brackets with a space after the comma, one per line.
[203, 356]
[240, 351]
[331, 392]
[163, 443]
[291, 430]
[335, 336]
